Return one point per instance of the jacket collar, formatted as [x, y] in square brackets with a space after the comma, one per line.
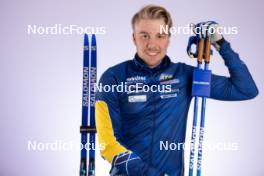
[142, 65]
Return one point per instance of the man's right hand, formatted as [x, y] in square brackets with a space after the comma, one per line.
[209, 29]
[129, 164]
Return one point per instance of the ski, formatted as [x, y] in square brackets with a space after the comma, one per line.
[93, 72]
[87, 128]
[85, 106]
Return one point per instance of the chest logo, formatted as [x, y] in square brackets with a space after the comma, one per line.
[165, 76]
[137, 98]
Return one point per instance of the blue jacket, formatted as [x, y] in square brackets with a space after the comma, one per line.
[140, 121]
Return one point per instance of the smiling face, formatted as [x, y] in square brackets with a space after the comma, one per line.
[150, 43]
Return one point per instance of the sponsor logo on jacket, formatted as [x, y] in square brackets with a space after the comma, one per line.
[136, 79]
[164, 76]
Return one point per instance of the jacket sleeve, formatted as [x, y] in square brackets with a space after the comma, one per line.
[108, 119]
[240, 85]
[108, 125]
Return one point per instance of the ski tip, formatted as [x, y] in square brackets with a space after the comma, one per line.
[86, 39]
[93, 39]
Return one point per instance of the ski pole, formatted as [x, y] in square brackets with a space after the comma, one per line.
[196, 102]
[201, 135]
[200, 88]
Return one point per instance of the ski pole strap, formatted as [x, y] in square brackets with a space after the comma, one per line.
[87, 129]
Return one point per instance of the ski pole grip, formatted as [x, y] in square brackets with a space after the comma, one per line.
[200, 51]
[207, 50]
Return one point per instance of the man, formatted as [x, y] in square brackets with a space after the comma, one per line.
[132, 124]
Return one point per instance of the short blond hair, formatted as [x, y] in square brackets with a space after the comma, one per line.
[152, 12]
